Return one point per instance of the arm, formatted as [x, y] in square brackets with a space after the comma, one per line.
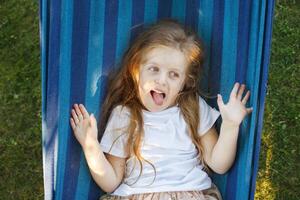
[219, 153]
[107, 171]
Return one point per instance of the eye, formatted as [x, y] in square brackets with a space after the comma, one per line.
[173, 74]
[153, 69]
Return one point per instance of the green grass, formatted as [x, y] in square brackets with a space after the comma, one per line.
[20, 108]
[21, 175]
[279, 172]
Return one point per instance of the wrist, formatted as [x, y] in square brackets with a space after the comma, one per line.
[229, 130]
[230, 124]
[91, 147]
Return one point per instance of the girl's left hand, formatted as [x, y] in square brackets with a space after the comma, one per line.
[235, 110]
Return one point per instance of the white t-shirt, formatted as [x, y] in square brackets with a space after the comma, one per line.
[166, 145]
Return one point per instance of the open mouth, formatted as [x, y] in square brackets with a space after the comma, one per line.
[158, 97]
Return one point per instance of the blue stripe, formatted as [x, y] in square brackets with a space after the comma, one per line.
[178, 10]
[64, 93]
[252, 72]
[50, 138]
[97, 70]
[123, 28]
[151, 9]
[82, 188]
[109, 44]
[214, 38]
[48, 182]
[44, 57]
[164, 9]
[228, 70]
[94, 72]
[192, 14]
[256, 83]
[243, 40]
[241, 69]
[84, 179]
[217, 36]
[216, 50]
[245, 164]
[78, 79]
[137, 21]
[263, 85]
[110, 28]
[232, 176]
[229, 47]
[95, 55]
[205, 23]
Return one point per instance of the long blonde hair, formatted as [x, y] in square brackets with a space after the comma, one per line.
[123, 88]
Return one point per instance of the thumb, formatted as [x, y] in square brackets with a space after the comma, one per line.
[93, 120]
[220, 101]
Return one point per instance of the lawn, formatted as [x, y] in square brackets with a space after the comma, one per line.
[279, 166]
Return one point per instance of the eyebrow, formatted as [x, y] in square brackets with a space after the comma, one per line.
[150, 63]
[173, 69]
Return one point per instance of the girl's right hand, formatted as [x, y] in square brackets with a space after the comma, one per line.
[84, 126]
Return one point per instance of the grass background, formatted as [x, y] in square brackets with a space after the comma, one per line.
[21, 174]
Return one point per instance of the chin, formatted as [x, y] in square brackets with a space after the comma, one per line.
[155, 108]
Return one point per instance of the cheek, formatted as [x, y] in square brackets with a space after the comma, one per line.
[140, 81]
[145, 81]
[180, 84]
[145, 86]
[177, 87]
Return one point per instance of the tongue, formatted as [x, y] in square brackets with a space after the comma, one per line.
[157, 98]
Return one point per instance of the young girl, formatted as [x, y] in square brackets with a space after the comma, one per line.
[157, 134]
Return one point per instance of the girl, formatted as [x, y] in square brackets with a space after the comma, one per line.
[157, 134]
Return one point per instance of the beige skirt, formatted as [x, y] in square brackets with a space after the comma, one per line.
[209, 194]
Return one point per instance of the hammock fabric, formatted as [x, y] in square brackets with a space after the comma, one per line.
[82, 40]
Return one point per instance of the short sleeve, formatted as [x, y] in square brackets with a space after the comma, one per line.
[114, 139]
[208, 116]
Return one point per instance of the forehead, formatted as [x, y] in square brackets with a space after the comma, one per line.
[166, 57]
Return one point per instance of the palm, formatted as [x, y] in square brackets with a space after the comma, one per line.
[235, 110]
[84, 126]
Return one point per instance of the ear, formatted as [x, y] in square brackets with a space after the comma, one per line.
[190, 81]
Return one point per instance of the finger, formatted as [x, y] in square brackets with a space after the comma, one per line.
[241, 91]
[75, 118]
[234, 90]
[73, 125]
[246, 97]
[93, 120]
[84, 111]
[78, 112]
[220, 101]
[249, 110]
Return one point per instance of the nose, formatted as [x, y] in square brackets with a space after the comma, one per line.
[161, 79]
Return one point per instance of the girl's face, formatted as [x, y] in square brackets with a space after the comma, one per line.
[161, 77]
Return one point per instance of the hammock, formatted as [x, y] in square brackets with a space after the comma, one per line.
[82, 41]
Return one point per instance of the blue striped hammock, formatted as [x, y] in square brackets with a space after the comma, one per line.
[81, 41]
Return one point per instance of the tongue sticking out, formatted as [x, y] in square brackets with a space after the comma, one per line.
[157, 97]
